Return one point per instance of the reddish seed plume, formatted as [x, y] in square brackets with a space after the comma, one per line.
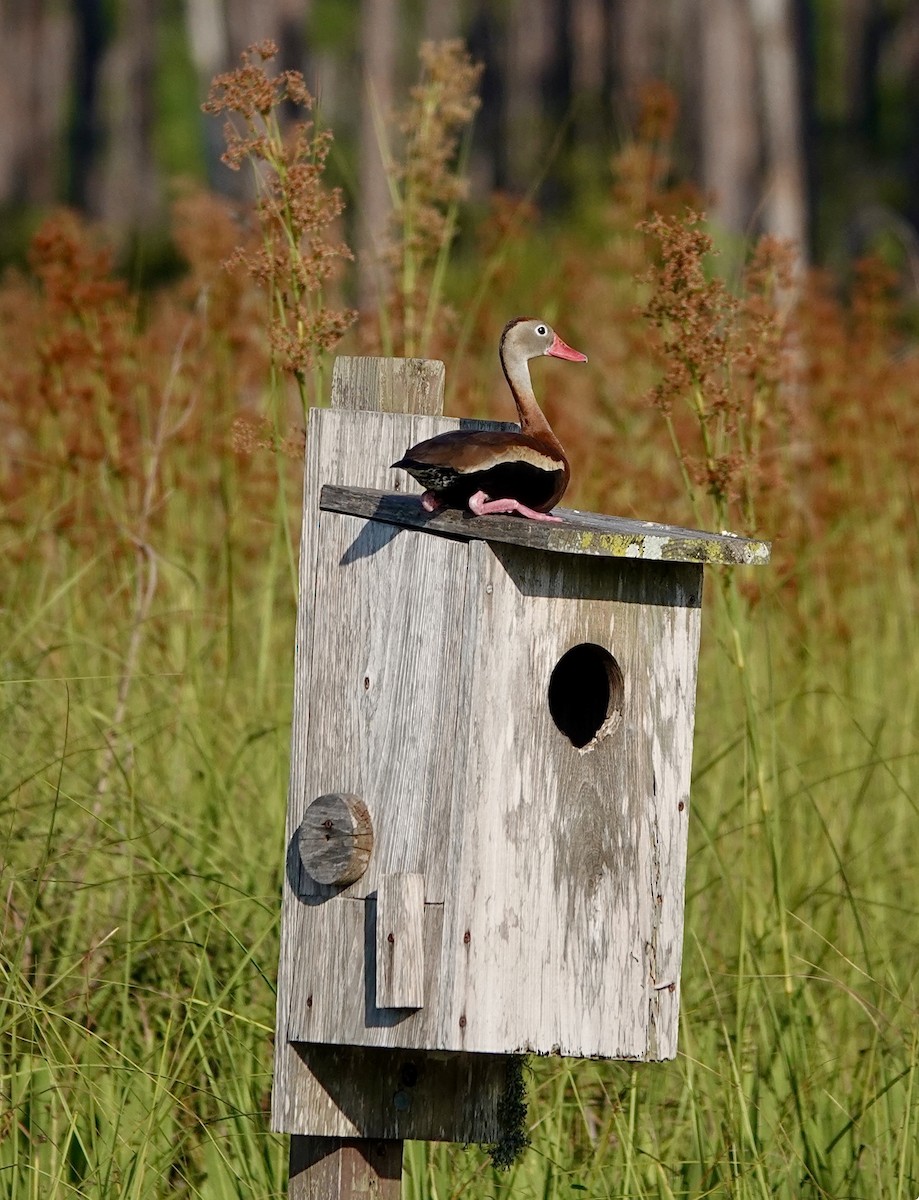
[809, 389]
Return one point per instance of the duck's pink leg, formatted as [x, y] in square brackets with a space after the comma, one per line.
[430, 502]
[481, 505]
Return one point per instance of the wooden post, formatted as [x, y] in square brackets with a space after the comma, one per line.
[333, 1168]
[486, 832]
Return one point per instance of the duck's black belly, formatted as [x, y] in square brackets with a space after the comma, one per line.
[521, 481]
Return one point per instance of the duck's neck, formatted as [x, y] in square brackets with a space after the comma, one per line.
[532, 419]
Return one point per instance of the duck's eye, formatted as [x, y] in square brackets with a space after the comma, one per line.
[541, 330]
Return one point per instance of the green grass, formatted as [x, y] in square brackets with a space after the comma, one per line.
[139, 926]
[146, 650]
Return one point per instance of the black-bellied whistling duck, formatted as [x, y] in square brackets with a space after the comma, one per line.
[525, 472]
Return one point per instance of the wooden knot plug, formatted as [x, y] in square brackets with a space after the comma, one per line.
[336, 838]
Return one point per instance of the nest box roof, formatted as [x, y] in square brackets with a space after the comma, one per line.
[577, 533]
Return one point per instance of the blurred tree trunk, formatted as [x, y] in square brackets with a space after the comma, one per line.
[36, 49]
[248, 23]
[123, 187]
[638, 41]
[589, 45]
[209, 46]
[284, 21]
[378, 54]
[784, 206]
[862, 21]
[531, 46]
[218, 32]
[441, 20]
[728, 130]
[902, 63]
[591, 30]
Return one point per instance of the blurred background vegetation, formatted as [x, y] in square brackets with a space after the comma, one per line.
[799, 117]
[158, 347]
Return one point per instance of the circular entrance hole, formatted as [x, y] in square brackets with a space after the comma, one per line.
[586, 692]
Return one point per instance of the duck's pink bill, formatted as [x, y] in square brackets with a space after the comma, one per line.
[560, 349]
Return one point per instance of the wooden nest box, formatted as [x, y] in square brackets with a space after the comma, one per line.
[489, 793]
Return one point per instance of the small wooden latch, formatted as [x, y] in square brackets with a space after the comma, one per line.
[336, 838]
[400, 941]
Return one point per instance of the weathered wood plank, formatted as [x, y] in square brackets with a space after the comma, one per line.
[400, 941]
[579, 532]
[362, 599]
[418, 385]
[405, 385]
[561, 925]
[672, 670]
[333, 995]
[383, 671]
[459, 1101]
[336, 839]
[330, 1169]
[565, 910]
[403, 1094]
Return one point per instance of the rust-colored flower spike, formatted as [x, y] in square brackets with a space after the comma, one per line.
[428, 182]
[296, 211]
[691, 311]
[695, 317]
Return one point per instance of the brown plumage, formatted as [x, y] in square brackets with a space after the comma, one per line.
[491, 472]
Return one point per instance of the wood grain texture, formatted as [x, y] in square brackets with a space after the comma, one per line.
[382, 667]
[319, 943]
[579, 533]
[557, 924]
[553, 876]
[402, 1094]
[672, 671]
[400, 941]
[566, 895]
[335, 839]
[330, 1169]
[379, 688]
[405, 385]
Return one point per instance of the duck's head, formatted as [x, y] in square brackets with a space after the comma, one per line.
[527, 337]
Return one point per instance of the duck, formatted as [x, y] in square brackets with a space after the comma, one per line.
[524, 472]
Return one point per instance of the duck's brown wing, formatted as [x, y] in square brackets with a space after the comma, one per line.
[479, 450]
[503, 465]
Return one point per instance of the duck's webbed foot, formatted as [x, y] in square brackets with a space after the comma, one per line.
[481, 504]
[431, 502]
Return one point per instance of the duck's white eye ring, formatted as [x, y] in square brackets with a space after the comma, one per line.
[541, 330]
